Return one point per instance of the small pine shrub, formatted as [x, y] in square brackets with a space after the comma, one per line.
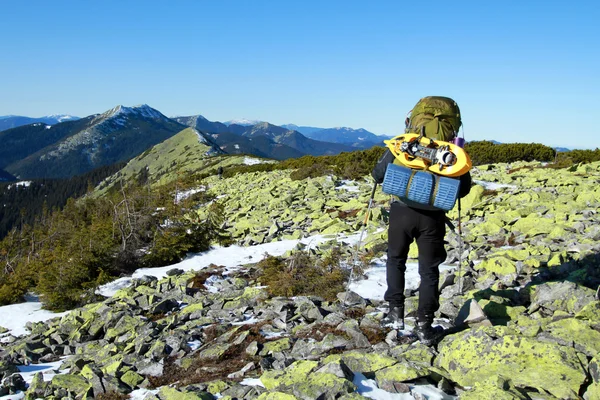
[303, 275]
[311, 171]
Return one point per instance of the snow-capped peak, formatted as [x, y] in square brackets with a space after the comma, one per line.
[243, 122]
[142, 110]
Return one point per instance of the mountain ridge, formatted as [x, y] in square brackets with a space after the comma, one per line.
[116, 135]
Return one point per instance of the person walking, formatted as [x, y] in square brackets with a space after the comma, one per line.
[410, 221]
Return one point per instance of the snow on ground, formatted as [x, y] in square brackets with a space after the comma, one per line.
[349, 186]
[374, 286]
[187, 193]
[22, 183]
[230, 257]
[494, 185]
[14, 317]
[253, 161]
[368, 388]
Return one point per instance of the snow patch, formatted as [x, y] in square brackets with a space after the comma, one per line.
[184, 195]
[494, 185]
[349, 186]
[201, 137]
[253, 161]
[14, 316]
[22, 183]
[243, 122]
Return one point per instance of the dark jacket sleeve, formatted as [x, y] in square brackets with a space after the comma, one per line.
[378, 172]
[465, 185]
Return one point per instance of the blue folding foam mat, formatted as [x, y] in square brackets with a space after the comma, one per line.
[396, 180]
[425, 187]
[421, 187]
[447, 193]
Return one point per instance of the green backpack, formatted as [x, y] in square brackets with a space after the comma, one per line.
[440, 116]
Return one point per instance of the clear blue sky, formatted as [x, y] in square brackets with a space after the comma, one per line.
[521, 71]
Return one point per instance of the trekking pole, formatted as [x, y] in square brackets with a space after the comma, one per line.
[459, 250]
[359, 241]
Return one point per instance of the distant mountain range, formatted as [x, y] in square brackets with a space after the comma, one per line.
[74, 147]
[55, 149]
[263, 139]
[14, 121]
[358, 138]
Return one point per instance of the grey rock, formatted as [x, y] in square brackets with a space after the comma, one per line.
[175, 272]
[339, 369]
[351, 298]
[7, 369]
[472, 314]
[149, 367]
[14, 383]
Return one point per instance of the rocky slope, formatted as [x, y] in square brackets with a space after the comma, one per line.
[525, 305]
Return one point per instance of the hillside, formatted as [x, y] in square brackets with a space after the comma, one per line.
[200, 123]
[114, 136]
[187, 152]
[21, 142]
[261, 146]
[525, 300]
[5, 176]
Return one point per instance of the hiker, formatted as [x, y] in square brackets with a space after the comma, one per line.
[220, 172]
[410, 220]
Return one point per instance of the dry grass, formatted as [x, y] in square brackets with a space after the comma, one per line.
[319, 331]
[375, 335]
[524, 167]
[199, 279]
[205, 370]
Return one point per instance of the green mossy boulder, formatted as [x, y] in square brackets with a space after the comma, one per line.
[476, 355]
[576, 331]
[363, 362]
[276, 396]
[169, 393]
[76, 384]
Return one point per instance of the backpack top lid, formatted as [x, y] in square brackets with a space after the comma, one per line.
[439, 115]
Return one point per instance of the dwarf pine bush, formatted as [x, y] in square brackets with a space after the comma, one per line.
[303, 275]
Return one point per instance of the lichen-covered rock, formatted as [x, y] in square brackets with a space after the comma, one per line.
[474, 356]
[565, 296]
[75, 384]
[401, 372]
[300, 380]
[577, 333]
[295, 372]
[168, 393]
[497, 388]
[276, 396]
[497, 265]
[7, 369]
[363, 362]
[590, 312]
[275, 346]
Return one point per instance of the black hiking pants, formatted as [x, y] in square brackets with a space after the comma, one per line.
[428, 229]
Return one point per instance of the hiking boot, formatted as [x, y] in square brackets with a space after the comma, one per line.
[427, 334]
[394, 318]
